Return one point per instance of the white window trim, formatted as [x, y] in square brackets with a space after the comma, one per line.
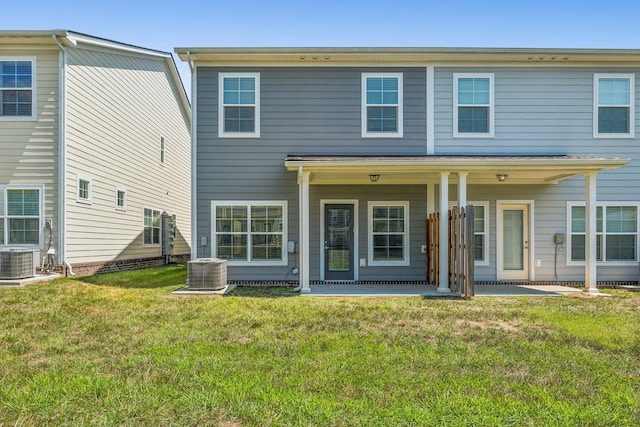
[150, 245]
[399, 133]
[34, 87]
[632, 102]
[249, 203]
[123, 207]
[485, 249]
[407, 234]
[79, 199]
[603, 205]
[221, 105]
[491, 105]
[40, 188]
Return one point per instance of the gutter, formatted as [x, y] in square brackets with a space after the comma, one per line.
[62, 157]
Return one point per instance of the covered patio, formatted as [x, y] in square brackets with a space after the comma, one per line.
[445, 170]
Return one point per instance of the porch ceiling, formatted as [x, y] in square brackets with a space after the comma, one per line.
[425, 169]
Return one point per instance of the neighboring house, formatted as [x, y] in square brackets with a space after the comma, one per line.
[346, 151]
[94, 148]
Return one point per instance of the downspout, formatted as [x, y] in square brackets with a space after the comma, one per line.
[194, 159]
[62, 157]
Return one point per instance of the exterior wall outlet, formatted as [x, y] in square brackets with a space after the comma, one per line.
[295, 270]
[423, 249]
[538, 262]
[363, 262]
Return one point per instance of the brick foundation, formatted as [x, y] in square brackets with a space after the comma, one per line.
[91, 268]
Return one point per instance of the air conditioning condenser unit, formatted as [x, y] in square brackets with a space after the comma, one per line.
[207, 274]
[16, 264]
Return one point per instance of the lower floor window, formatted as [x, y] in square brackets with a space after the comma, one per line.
[388, 233]
[151, 234]
[249, 231]
[616, 232]
[20, 216]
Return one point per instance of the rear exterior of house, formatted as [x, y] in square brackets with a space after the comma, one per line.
[327, 162]
[95, 148]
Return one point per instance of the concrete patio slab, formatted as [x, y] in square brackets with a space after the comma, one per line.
[431, 290]
[29, 280]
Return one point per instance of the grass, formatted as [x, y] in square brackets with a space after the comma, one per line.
[119, 349]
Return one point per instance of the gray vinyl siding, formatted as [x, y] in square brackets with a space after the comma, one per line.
[119, 105]
[29, 148]
[539, 110]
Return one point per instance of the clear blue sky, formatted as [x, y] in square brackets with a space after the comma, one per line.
[163, 25]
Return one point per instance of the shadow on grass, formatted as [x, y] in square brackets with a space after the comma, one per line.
[148, 278]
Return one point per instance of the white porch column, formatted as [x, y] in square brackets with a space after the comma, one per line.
[590, 256]
[431, 198]
[462, 189]
[303, 220]
[443, 286]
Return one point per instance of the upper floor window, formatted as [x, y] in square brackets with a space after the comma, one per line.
[162, 152]
[17, 88]
[473, 105]
[382, 105]
[616, 231]
[239, 105]
[20, 213]
[613, 112]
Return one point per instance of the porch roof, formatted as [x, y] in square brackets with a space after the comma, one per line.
[418, 169]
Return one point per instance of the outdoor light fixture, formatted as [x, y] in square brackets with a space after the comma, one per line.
[374, 177]
[501, 177]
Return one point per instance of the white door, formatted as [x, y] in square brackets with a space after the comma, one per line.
[513, 244]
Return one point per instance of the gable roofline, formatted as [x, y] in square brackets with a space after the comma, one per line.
[315, 56]
[71, 39]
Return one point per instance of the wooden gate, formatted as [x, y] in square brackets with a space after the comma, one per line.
[460, 247]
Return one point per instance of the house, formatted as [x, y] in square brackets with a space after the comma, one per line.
[94, 149]
[327, 161]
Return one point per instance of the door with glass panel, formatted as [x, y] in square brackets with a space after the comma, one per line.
[338, 242]
[514, 242]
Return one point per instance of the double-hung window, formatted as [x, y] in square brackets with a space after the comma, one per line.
[151, 231]
[20, 216]
[250, 232]
[382, 99]
[473, 105]
[239, 105]
[480, 231]
[17, 88]
[389, 233]
[121, 199]
[614, 109]
[616, 232]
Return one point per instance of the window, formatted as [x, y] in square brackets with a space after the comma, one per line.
[473, 105]
[389, 233]
[382, 105]
[480, 231]
[613, 112]
[239, 105]
[121, 199]
[162, 150]
[84, 190]
[616, 232]
[151, 233]
[20, 212]
[250, 232]
[17, 94]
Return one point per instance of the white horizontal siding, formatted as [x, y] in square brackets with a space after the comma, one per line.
[118, 108]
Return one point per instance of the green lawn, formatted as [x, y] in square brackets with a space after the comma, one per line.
[121, 350]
